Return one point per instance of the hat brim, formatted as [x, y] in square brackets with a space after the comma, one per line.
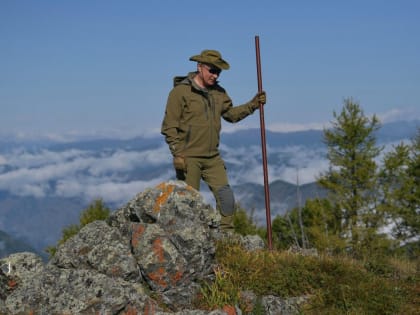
[219, 63]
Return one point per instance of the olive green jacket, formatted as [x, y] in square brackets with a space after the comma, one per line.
[192, 121]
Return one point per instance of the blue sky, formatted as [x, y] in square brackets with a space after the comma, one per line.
[106, 67]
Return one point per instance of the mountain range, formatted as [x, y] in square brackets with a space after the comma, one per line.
[44, 185]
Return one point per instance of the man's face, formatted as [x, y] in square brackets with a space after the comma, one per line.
[209, 74]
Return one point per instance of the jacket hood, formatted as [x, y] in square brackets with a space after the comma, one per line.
[189, 80]
[184, 79]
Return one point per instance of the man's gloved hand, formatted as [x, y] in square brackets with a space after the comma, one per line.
[179, 163]
[259, 98]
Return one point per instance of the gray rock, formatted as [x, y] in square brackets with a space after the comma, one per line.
[274, 305]
[22, 265]
[72, 291]
[4, 287]
[98, 247]
[252, 242]
[161, 244]
[169, 234]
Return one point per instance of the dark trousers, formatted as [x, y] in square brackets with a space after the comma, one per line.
[213, 172]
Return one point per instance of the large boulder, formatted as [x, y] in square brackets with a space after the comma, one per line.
[168, 229]
[74, 291]
[101, 248]
[160, 242]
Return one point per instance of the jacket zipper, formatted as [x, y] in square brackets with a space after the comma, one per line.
[211, 120]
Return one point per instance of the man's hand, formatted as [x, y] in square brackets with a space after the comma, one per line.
[179, 163]
[259, 98]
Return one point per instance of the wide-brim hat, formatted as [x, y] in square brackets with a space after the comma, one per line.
[212, 57]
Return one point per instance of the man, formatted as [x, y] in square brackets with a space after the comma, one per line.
[192, 125]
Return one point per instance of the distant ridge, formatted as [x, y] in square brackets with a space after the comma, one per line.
[10, 245]
[392, 131]
[253, 137]
[388, 132]
[284, 197]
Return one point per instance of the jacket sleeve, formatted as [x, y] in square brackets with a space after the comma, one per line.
[236, 113]
[171, 121]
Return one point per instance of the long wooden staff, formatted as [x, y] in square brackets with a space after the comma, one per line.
[263, 147]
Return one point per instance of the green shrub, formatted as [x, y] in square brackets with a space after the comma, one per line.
[94, 211]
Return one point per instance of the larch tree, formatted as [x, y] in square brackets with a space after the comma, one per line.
[352, 177]
[400, 182]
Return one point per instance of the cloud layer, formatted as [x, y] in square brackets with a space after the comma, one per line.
[117, 172]
[117, 175]
[78, 173]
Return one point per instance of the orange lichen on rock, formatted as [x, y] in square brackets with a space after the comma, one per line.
[229, 309]
[164, 195]
[159, 277]
[11, 283]
[176, 277]
[158, 250]
[130, 310]
[149, 308]
[137, 232]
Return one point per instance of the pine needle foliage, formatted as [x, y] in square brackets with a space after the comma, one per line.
[244, 223]
[352, 176]
[400, 187]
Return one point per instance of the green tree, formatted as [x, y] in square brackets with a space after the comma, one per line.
[244, 224]
[400, 178]
[351, 179]
[94, 211]
[283, 232]
[320, 226]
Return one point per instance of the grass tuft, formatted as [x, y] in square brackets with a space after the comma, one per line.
[335, 284]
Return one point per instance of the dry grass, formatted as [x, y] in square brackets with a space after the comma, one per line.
[338, 285]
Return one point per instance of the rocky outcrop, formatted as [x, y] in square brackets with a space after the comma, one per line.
[170, 239]
[149, 257]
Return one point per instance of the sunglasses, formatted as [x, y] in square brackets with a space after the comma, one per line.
[212, 70]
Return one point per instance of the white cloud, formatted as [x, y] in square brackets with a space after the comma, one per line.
[276, 127]
[111, 191]
[118, 175]
[69, 136]
[24, 159]
[229, 128]
[283, 164]
[306, 174]
[3, 160]
[34, 190]
[120, 192]
[77, 173]
[16, 179]
[120, 161]
[288, 127]
[399, 114]
[91, 175]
